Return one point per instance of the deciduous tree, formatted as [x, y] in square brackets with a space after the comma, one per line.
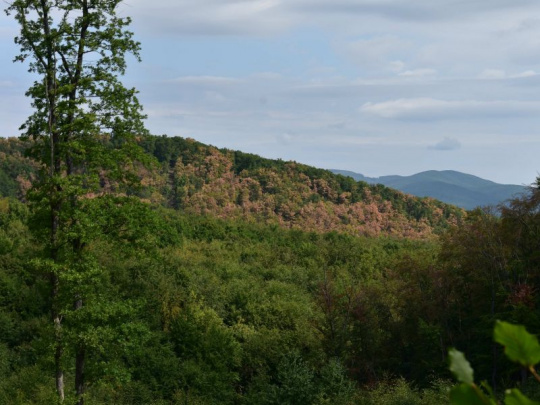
[82, 130]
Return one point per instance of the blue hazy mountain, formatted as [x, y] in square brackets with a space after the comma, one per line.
[449, 186]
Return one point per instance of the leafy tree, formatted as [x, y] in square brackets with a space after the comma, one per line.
[82, 130]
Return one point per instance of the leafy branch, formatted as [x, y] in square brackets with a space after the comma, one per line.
[519, 346]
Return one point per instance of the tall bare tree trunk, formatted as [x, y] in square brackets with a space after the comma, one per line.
[49, 63]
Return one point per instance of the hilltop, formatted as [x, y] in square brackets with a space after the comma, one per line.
[453, 187]
[204, 180]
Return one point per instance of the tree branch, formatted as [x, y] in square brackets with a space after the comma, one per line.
[65, 64]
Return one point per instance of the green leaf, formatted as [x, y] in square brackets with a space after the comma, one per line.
[515, 397]
[487, 389]
[519, 345]
[460, 366]
[467, 394]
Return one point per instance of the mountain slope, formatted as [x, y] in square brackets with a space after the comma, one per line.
[231, 184]
[205, 180]
[464, 190]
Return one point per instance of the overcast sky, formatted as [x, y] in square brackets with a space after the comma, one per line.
[378, 87]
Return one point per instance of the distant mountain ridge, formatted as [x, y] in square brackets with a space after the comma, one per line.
[450, 186]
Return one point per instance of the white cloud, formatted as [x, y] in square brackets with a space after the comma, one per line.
[434, 109]
[210, 17]
[214, 97]
[496, 74]
[267, 76]
[446, 144]
[527, 73]
[492, 74]
[284, 138]
[396, 66]
[206, 80]
[376, 51]
[418, 73]
[413, 10]
[262, 17]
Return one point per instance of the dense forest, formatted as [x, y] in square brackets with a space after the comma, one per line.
[203, 180]
[191, 305]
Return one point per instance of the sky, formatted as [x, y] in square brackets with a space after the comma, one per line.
[378, 87]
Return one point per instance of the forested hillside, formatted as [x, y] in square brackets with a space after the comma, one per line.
[232, 307]
[202, 179]
[191, 309]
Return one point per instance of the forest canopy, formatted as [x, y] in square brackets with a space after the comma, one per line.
[232, 309]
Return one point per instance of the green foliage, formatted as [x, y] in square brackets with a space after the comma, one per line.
[401, 392]
[460, 367]
[519, 345]
[28, 385]
[515, 397]
[469, 394]
[295, 385]
[336, 387]
[230, 312]
[208, 352]
[81, 134]
[295, 381]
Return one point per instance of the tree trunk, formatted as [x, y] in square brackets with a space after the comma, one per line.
[494, 347]
[49, 64]
[59, 351]
[79, 375]
[59, 372]
[55, 310]
[79, 365]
